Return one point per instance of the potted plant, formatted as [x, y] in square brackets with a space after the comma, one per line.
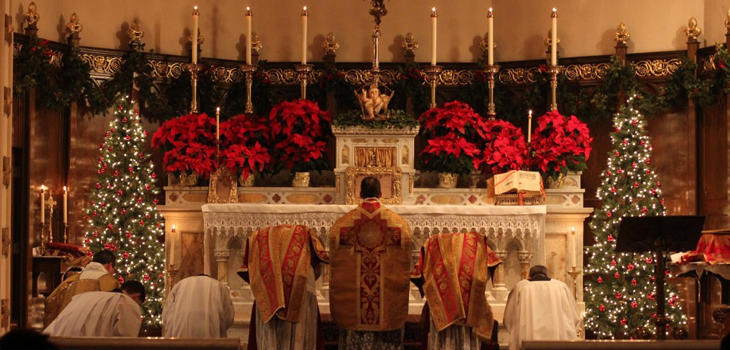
[503, 147]
[189, 142]
[452, 136]
[298, 133]
[242, 146]
[559, 144]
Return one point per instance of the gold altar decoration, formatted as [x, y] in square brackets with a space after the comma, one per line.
[301, 179]
[390, 183]
[136, 34]
[375, 157]
[727, 21]
[330, 45]
[549, 41]
[692, 30]
[484, 44]
[256, 44]
[622, 35]
[223, 187]
[32, 16]
[74, 28]
[409, 44]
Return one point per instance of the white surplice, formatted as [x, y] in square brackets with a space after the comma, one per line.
[540, 310]
[98, 314]
[92, 271]
[198, 307]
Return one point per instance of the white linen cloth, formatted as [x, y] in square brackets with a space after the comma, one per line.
[198, 307]
[540, 310]
[93, 271]
[98, 314]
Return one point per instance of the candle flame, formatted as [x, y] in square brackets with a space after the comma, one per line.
[555, 10]
[304, 10]
[433, 9]
[490, 10]
[43, 188]
[64, 189]
[572, 229]
[195, 7]
[529, 113]
[173, 227]
[217, 110]
[248, 8]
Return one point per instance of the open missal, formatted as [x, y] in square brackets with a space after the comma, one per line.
[528, 182]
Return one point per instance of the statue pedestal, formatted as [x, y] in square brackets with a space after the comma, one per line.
[387, 154]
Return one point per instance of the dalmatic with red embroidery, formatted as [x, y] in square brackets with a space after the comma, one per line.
[453, 269]
[370, 252]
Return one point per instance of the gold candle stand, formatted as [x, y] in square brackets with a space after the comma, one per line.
[193, 68]
[303, 71]
[248, 70]
[554, 70]
[433, 73]
[574, 272]
[491, 72]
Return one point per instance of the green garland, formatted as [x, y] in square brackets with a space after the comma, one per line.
[398, 119]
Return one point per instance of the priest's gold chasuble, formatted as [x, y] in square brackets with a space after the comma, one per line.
[370, 252]
[453, 269]
[278, 263]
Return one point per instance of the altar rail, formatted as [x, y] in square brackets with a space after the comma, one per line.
[622, 345]
[119, 343]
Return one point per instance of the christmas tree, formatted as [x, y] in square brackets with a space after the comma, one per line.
[620, 288]
[122, 216]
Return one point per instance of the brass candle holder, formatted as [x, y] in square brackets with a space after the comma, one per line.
[248, 70]
[194, 68]
[433, 73]
[574, 272]
[491, 72]
[554, 70]
[303, 71]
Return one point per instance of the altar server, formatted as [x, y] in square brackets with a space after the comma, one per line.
[281, 263]
[102, 314]
[96, 276]
[540, 308]
[452, 273]
[370, 256]
[198, 307]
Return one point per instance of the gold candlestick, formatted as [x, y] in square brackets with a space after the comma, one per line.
[248, 70]
[51, 203]
[433, 72]
[491, 72]
[574, 272]
[303, 71]
[193, 68]
[554, 70]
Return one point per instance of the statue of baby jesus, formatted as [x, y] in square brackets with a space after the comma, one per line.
[374, 104]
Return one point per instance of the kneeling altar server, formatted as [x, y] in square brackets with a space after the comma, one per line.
[198, 307]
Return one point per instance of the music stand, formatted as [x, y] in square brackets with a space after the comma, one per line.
[659, 234]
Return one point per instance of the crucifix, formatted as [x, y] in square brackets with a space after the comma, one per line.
[51, 203]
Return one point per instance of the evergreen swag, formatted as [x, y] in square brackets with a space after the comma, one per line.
[122, 215]
[620, 299]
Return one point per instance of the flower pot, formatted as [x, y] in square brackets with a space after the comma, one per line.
[188, 180]
[556, 183]
[248, 181]
[301, 179]
[448, 180]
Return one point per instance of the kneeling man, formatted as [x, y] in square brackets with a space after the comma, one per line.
[198, 307]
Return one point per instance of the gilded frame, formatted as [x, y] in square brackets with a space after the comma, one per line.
[353, 175]
[223, 187]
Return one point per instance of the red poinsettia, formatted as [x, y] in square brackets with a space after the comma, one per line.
[242, 137]
[503, 146]
[298, 130]
[560, 144]
[452, 138]
[190, 144]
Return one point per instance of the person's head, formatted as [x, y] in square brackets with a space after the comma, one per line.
[134, 290]
[106, 257]
[370, 188]
[20, 338]
[538, 273]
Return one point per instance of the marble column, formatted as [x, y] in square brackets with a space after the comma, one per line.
[500, 287]
[221, 257]
[524, 256]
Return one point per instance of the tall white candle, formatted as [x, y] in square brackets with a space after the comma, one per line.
[65, 205]
[304, 35]
[490, 38]
[434, 18]
[571, 247]
[248, 35]
[529, 126]
[554, 39]
[43, 204]
[217, 123]
[195, 34]
[171, 247]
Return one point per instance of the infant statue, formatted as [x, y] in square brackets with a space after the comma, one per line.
[374, 104]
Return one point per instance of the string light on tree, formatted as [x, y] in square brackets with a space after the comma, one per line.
[620, 287]
[122, 216]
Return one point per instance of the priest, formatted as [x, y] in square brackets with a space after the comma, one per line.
[96, 276]
[452, 273]
[282, 263]
[198, 307]
[540, 308]
[102, 314]
[370, 256]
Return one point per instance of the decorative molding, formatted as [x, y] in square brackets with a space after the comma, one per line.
[656, 68]
[102, 65]
[517, 76]
[578, 72]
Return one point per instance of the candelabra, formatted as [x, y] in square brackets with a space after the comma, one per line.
[554, 70]
[248, 70]
[433, 73]
[193, 68]
[303, 71]
[491, 72]
[574, 272]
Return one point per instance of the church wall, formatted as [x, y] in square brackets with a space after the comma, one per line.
[585, 27]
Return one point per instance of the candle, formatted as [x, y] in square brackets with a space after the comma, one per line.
[571, 248]
[304, 35]
[195, 34]
[554, 39]
[218, 123]
[171, 248]
[65, 205]
[248, 35]
[490, 38]
[43, 204]
[529, 126]
[434, 17]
